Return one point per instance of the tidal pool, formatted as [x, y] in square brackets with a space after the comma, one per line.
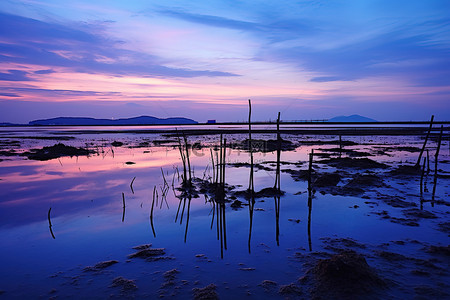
[63, 215]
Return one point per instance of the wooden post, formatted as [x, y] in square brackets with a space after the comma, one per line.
[425, 143]
[436, 156]
[277, 173]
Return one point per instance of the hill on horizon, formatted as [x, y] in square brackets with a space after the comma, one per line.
[142, 120]
[352, 118]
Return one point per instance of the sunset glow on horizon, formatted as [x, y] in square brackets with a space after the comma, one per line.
[386, 60]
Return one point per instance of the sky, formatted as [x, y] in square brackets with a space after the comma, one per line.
[384, 59]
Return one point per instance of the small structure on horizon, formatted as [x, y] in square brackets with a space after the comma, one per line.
[211, 122]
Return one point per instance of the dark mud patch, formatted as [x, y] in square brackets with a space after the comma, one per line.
[247, 165]
[444, 227]
[236, 204]
[268, 285]
[298, 175]
[47, 138]
[357, 186]
[8, 153]
[206, 293]
[164, 142]
[142, 247]
[100, 266]
[171, 274]
[125, 284]
[56, 151]
[403, 148]
[428, 292]
[365, 180]
[327, 180]
[405, 170]
[403, 221]
[336, 142]
[339, 243]
[148, 253]
[355, 163]
[441, 250]
[344, 275]
[348, 152]
[415, 213]
[397, 201]
[290, 290]
[264, 193]
[391, 256]
[264, 145]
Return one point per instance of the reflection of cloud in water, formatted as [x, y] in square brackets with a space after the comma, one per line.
[90, 186]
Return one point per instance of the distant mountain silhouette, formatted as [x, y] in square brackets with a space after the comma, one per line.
[352, 118]
[142, 120]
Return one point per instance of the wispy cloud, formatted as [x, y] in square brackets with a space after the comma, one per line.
[50, 44]
[14, 75]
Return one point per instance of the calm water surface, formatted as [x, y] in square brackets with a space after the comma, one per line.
[90, 225]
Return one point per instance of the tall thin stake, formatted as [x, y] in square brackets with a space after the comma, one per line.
[425, 143]
[251, 186]
[277, 184]
[436, 157]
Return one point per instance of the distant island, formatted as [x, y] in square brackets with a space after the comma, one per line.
[352, 118]
[142, 120]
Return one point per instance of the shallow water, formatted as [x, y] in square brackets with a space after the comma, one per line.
[90, 225]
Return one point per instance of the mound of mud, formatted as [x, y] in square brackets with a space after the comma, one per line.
[56, 151]
[343, 275]
[298, 175]
[365, 180]
[208, 292]
[327, 179]
[405, 170]
[146, 252]
[356, 163]
[100, 266]
[264, 145]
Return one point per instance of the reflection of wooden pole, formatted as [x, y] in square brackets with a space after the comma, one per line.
[251, 186]
[151, 211]
[188, 159]
[277, 219]
[310, 168]
[425, 143]
[213, 166]
[436, 156]
[123, 201]
[277, 173]
[309, 221]
[250, 208]
[187, 219]
[50, 223]
[131, 184]
[224, 227]
[421, 180]
[223, 166]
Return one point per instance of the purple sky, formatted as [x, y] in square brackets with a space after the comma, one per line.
[387, 60]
